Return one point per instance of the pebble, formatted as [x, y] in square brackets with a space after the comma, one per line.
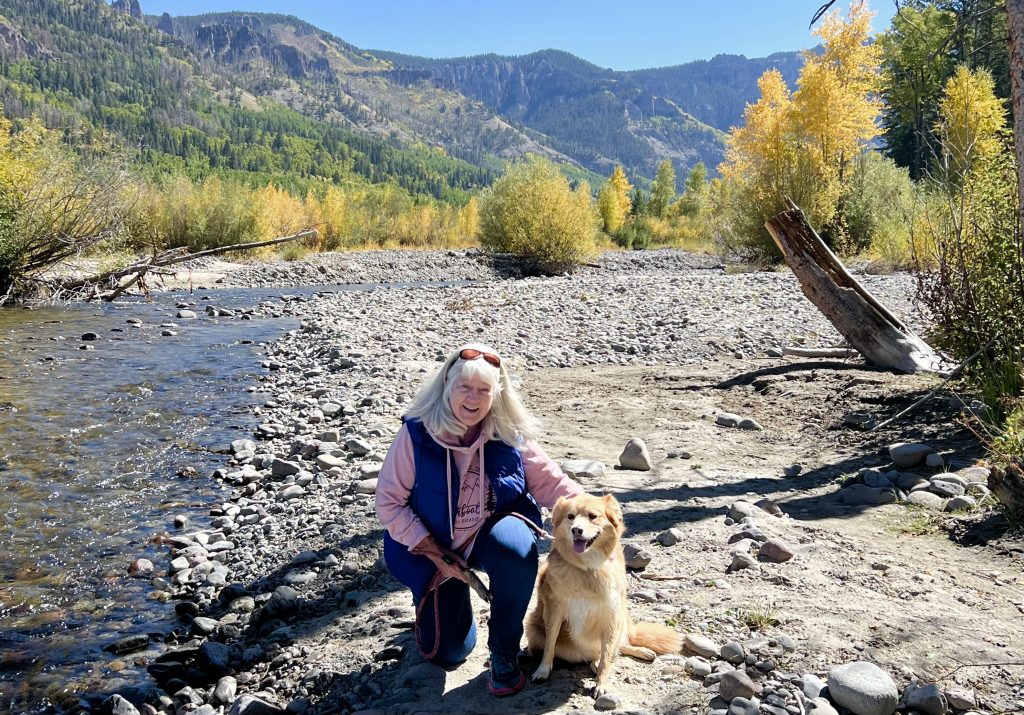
[736, 684]
[792, 470]
[637, 558]
[607, 701]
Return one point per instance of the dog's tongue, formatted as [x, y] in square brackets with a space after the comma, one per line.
[579, 545]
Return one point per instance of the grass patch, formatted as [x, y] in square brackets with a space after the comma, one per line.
[916, 522]
[758, 618]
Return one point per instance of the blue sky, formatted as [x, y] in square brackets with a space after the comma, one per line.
[620, 35]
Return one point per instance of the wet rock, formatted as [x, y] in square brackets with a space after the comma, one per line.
[203, 626]
[635, 456]
[90, 336]
[186, 314]
[119, 705]
[140, 568]
[214, 659]
[863, 688]
[128, 644]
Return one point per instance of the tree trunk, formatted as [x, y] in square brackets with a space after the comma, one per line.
[1015, 32]
[869, 327]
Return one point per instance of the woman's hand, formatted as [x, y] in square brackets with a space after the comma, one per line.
[448, 563]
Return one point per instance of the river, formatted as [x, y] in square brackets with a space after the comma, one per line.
[92, 442]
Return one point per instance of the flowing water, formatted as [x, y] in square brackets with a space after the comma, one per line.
[91, 443]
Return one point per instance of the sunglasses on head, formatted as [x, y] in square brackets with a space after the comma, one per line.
[473, 354]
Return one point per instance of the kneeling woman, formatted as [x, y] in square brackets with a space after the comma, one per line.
[460, 487]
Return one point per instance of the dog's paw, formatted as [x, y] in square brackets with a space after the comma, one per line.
[646, 654]
[607, 696]
[541, 674]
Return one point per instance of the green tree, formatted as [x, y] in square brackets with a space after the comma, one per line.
[532, 213]
[914, 68]
[695, 194]
[663, 190]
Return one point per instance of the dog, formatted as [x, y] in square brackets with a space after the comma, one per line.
[581, 613]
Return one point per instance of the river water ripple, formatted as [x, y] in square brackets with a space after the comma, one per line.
[91, 442]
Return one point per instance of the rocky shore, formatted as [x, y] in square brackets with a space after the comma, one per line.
[791, 600]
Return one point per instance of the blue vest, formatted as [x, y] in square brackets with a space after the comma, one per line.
[503, 465]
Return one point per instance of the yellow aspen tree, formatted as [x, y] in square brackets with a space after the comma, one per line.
[836, 105]
[621, 189]
[971, 118]
[760, 154]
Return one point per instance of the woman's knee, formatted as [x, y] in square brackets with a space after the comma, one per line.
[509, 546]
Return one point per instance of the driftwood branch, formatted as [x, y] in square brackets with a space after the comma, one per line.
[954, 374]
[842, 353]
[867, 325]
[168, 258]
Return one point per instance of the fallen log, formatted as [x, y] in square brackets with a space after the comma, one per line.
[139, 269]
[867, 325]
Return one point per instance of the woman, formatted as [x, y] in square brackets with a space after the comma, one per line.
[460, 489]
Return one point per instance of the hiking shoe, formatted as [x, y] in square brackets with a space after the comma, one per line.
[506, 677]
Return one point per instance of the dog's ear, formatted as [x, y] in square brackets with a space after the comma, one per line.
[612, 511]
[558, 512]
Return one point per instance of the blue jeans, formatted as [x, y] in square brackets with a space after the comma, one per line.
[506, 550]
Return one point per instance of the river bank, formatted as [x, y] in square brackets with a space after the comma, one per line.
[284, 602]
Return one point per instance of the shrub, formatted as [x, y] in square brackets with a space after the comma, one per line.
[54, 203]
[532, 213]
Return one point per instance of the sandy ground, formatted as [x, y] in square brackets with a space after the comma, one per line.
[884, 583]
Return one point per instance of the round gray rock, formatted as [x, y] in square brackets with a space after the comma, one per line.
[863, 688]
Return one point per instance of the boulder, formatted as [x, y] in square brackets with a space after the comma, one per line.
[863, 688]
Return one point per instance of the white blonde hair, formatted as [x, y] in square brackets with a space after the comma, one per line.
[508, 418]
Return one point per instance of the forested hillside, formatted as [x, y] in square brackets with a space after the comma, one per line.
[86, 66]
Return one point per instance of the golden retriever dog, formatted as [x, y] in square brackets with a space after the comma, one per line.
[581, 614]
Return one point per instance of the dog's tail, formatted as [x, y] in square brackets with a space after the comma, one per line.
[660, 639]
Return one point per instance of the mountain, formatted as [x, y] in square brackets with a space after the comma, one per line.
[548, 102]
[86, 66]
[268, 97]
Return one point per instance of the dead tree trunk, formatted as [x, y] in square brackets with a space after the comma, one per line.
[869, 327]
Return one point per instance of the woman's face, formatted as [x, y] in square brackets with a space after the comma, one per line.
[471, 399]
